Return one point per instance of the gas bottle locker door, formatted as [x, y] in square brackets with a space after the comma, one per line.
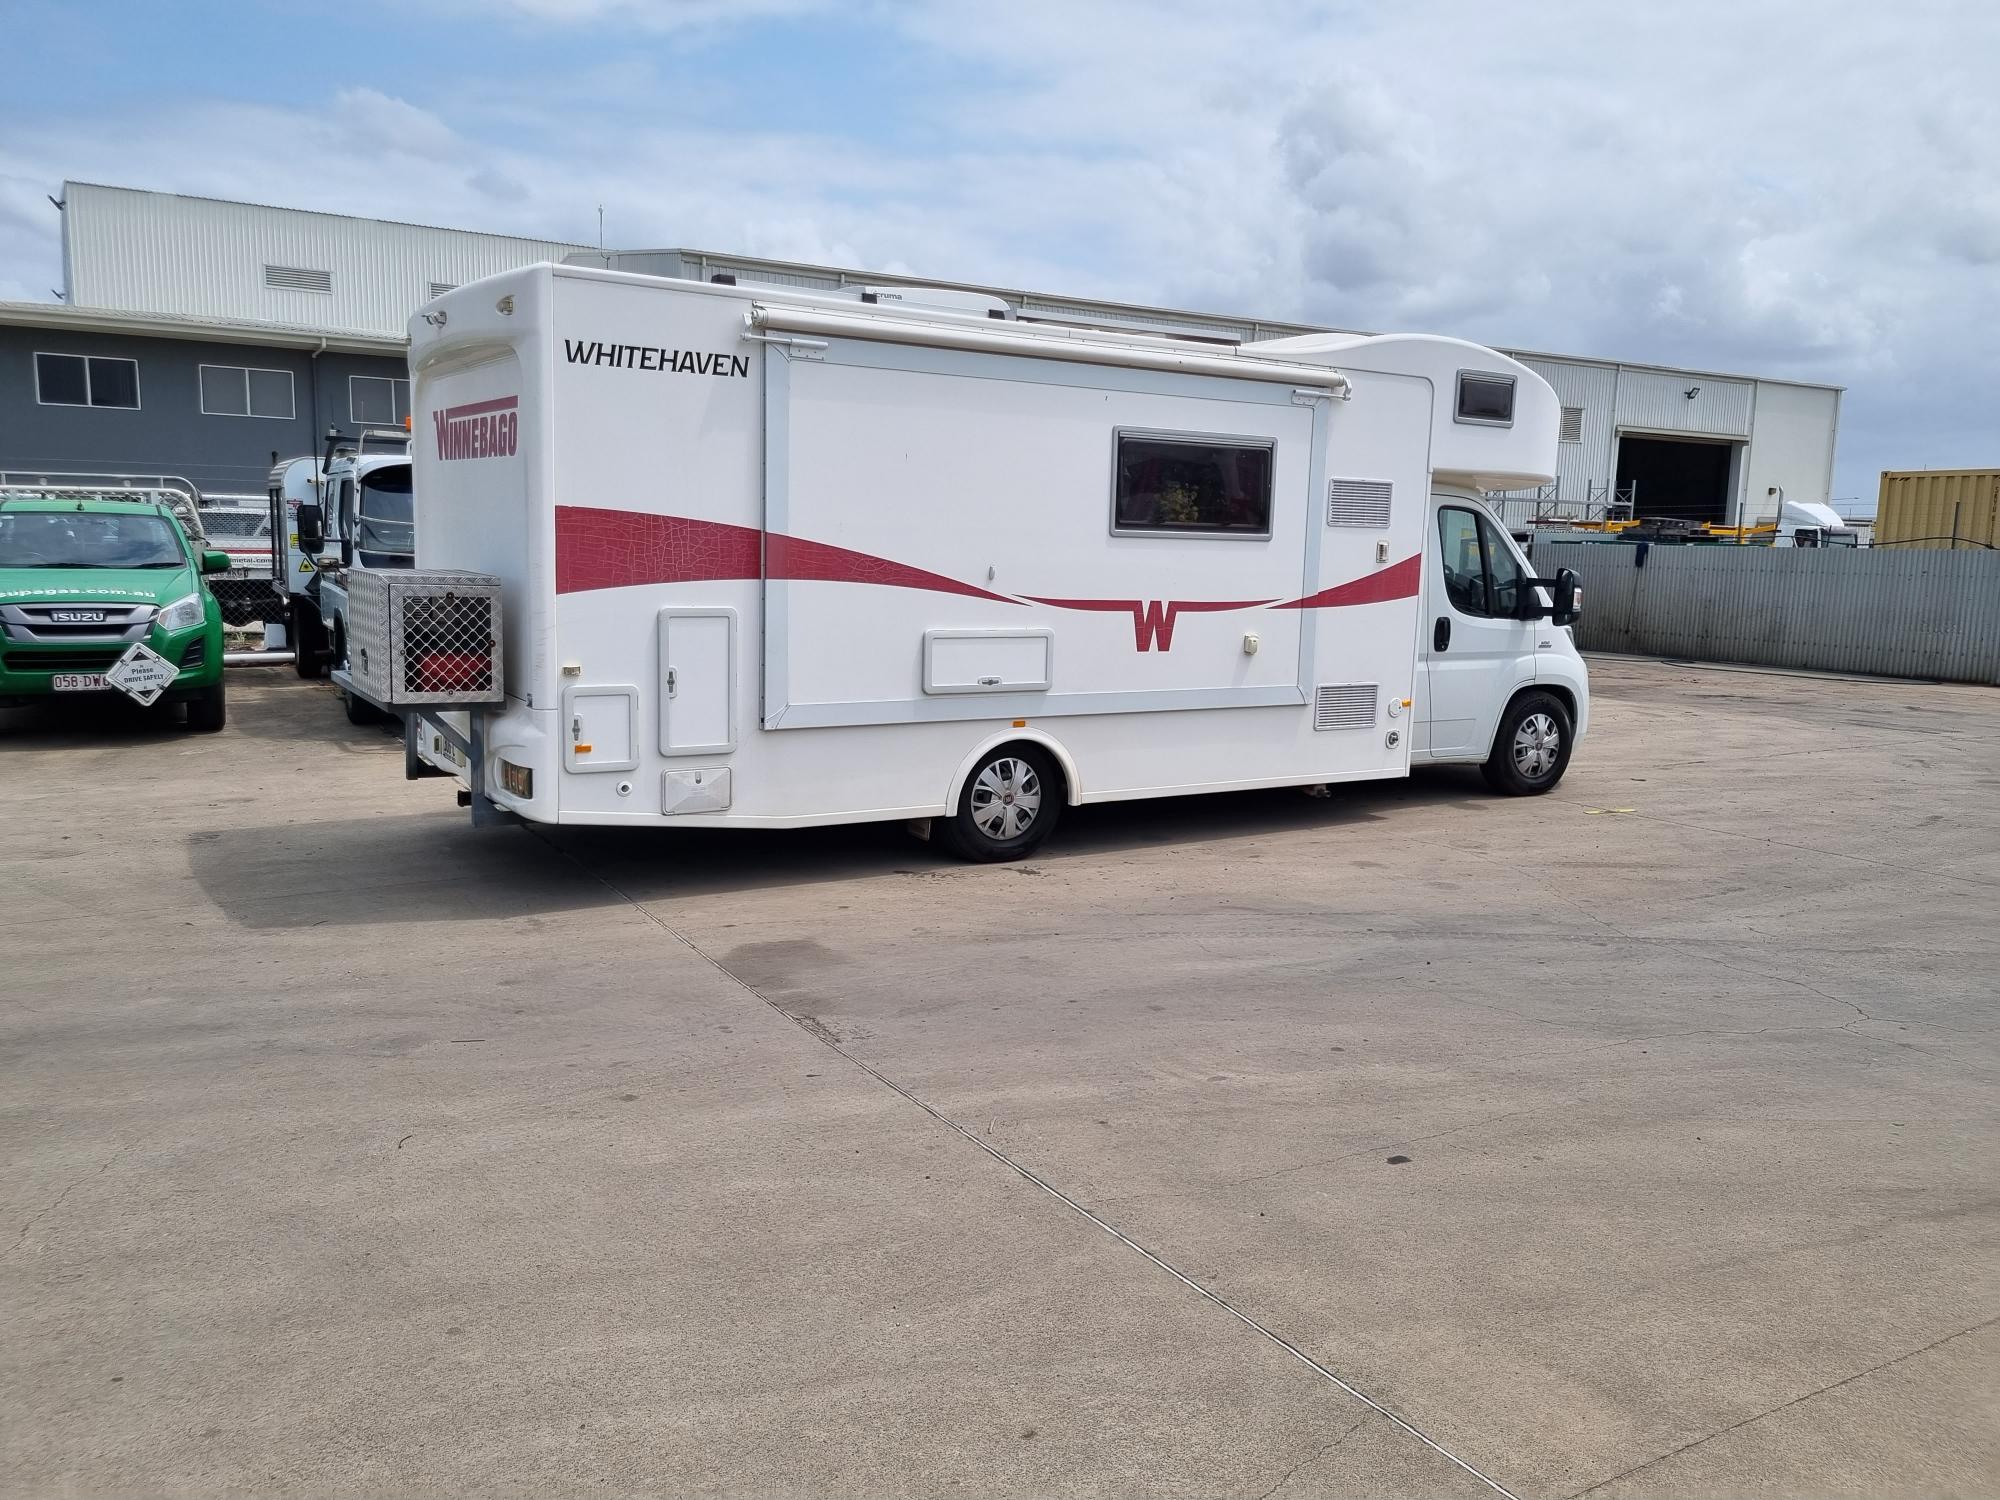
[697, 689]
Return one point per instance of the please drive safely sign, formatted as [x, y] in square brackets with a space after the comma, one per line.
[142, 675]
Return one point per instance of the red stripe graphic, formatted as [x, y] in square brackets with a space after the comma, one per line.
[1151, 620]
[480, 408]
[796, 558]
[610, 549]
[615, 549]
[1397, 581]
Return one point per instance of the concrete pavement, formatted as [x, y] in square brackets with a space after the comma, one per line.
[1636, 1140]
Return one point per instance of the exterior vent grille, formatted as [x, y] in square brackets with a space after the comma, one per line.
[1346, 705]
[1358, 502]
[298, 279]
[439, 288]
[1572, 424]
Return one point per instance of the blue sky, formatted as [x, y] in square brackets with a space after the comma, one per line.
[1796, 189]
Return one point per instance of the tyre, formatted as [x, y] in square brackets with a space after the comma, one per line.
[308, 641]
[1531, 749]
[208, 711]
[1010, 804]
[359, 711]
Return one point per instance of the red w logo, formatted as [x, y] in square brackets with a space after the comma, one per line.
[1153, 619]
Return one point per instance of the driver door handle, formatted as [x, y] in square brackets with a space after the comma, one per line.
[1441, 634]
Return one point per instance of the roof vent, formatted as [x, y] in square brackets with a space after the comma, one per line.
[1358, 502]
[298, 279]
[1345, 705]
[722, 278]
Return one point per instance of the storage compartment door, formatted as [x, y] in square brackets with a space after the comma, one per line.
[697, 681]
[599, 728]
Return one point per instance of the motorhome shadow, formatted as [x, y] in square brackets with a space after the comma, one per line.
[905, 563]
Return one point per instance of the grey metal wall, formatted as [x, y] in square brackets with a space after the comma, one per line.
[168, 433]
[1889, 611]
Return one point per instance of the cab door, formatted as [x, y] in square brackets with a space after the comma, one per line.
[1475, 653]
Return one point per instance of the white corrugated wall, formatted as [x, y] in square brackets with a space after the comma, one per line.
[1593, 388]
[201, 257]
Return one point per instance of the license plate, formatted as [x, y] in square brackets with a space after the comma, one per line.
[78, 682]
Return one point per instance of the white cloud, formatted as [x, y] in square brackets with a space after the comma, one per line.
[1788, 188]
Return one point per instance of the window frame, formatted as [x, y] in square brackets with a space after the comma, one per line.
[1490, 534]
[1496, 377]
[138, 396]
[1267, 445]
[394, 381]
[201, 392]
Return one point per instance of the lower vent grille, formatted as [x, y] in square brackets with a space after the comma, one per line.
[1346, 705]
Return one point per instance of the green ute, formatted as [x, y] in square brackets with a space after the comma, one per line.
[83, 581]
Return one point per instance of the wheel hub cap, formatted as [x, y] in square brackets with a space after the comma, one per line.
[1006, 798]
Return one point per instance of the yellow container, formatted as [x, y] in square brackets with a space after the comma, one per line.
[1929, 507]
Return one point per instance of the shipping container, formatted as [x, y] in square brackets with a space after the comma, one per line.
[1942, 508]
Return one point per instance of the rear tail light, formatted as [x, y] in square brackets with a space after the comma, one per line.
[517, 781]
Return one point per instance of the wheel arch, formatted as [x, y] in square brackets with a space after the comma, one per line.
[1041, 740]
[1559, 691]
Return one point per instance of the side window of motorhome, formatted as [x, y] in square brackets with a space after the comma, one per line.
[1181, 485]
[1481, 574]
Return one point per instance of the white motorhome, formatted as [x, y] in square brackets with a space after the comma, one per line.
[772, 558]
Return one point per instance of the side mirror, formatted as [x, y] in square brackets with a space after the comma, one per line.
[312, 529]
[215, 562]
[1568, 597]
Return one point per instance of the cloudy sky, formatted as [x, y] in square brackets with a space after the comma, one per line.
[1810, 189]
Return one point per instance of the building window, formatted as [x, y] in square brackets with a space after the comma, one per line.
[1202, 486]
[232, 391]
[1572, 425]
[86, 380]
[377, 401]
[298, 279]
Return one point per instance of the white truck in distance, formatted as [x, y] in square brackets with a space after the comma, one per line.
[772, 558]
[356, 510]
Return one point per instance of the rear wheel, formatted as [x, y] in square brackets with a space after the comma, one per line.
[208, 711]
[359, 710]
[1010, 804]
[308, 641]
[1531, 750]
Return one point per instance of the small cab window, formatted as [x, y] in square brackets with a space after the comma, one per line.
[1486, 398]
[1482, 576]
[1168, 485]
[386, 533]
[86, 380]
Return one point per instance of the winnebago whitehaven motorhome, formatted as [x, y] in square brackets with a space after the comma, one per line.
[769, 558]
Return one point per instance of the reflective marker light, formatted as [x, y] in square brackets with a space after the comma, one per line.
[517, 781]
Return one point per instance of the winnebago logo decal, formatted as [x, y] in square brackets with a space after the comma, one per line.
[484, 429]
[649, 357]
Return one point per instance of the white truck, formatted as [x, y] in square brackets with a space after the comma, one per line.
[330, 517]
[768, 558]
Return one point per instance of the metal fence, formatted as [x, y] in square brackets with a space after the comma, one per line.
[1894, 612]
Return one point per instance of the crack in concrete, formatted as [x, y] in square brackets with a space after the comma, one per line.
[20, 1238]
[1029, 1175]
[1781, 1406]
[1312, 1458]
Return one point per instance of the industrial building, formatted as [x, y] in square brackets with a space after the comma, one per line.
[199, 337]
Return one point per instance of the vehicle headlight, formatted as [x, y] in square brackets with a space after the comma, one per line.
[182, 614]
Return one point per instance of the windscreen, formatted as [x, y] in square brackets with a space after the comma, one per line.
[386, 534]
[87, 539]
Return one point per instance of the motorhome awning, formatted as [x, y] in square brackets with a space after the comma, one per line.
[1066, 344]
